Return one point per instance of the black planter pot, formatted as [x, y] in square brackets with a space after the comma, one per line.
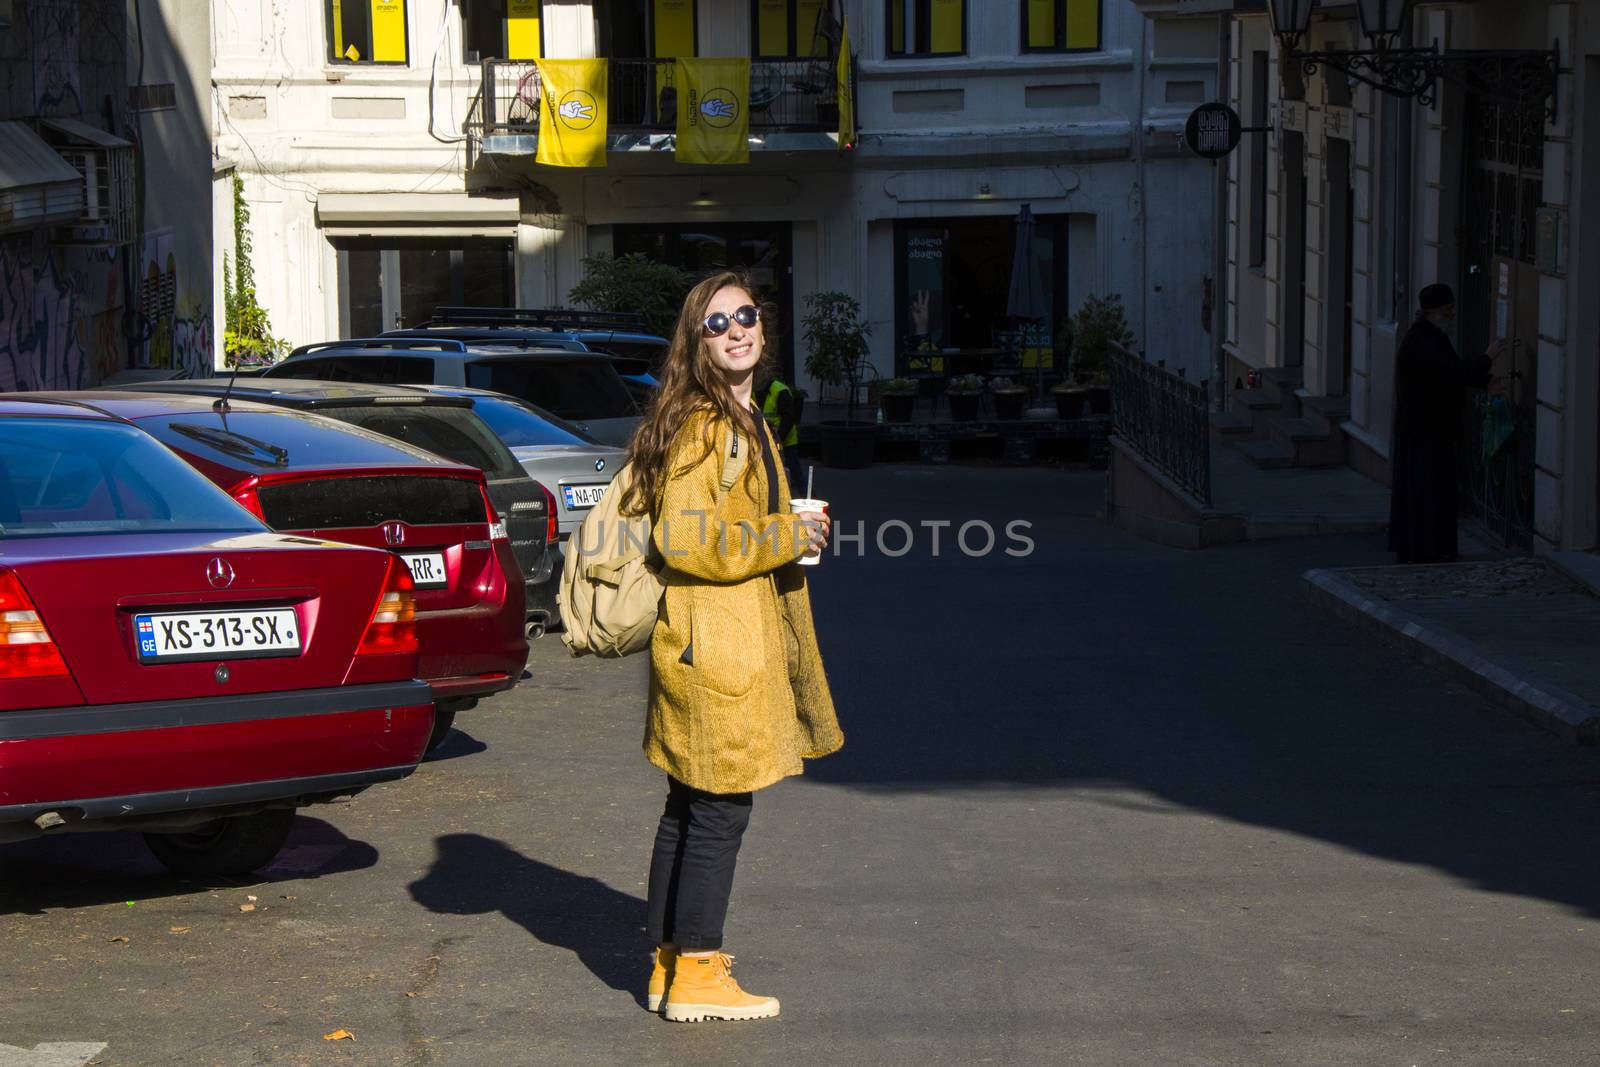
[899, 407]
[964, 406]
[1073, 403]
[848, 445]
[1010, 405]
[1100, 399]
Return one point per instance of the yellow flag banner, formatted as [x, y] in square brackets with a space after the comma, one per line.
[845, 89]
[573, 130]
[713, 110]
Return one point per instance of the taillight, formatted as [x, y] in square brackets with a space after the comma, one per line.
[497, 525]
[26, 648]
[552, 531]
[252, 503]
[394, 619]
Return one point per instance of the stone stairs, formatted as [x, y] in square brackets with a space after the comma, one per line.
[1274, 427]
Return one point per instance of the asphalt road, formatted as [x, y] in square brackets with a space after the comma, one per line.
[1102, 804]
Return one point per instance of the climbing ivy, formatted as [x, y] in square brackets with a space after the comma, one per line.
[247, 333]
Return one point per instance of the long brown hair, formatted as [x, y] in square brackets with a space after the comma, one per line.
[691, 382]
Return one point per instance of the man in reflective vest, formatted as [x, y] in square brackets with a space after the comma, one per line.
[782, 412]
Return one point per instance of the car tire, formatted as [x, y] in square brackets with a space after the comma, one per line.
[237, 844]
[443, 720]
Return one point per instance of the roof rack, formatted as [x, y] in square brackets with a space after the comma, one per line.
[549, 318]
[443, 344]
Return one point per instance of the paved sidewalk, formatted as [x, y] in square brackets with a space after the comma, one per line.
[1521, 632]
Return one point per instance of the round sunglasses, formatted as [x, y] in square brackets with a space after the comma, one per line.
[717, 323]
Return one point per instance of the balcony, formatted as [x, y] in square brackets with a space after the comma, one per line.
[793, 107]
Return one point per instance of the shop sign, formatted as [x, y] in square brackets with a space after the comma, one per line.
[1213, 131]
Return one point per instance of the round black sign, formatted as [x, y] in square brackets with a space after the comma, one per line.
[1213, 131]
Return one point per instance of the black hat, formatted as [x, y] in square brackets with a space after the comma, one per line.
[1434, 297]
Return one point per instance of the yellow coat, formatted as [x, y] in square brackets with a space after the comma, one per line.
[738, 695]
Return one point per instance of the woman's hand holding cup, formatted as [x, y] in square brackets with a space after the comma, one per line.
[816, 526]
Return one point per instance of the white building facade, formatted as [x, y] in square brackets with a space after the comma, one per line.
[1356, 199]
[374, 199]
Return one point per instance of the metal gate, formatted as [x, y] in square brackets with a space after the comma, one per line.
[1502, 182]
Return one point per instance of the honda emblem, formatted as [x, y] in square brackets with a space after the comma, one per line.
[394, 533]
[219, 572]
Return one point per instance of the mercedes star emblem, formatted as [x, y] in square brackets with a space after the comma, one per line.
[219, 572]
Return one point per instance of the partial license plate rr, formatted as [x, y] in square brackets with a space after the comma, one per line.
[427, 569]
[166, 637]
[583, 496]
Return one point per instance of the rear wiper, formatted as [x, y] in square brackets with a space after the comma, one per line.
[235, 444]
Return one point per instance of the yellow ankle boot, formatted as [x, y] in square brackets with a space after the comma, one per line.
[702, 988]
[661, 977]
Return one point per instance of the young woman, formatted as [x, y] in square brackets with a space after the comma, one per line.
[737, 692]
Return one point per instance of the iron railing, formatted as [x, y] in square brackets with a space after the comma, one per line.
[1165, 418]
[792, 95]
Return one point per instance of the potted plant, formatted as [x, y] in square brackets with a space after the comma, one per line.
[1009, 398]
[965, 392]
[1100, 323]
[835, 337]
[899, 396]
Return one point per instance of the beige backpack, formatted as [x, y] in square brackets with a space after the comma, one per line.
[611, 581]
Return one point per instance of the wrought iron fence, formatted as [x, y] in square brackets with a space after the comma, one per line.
[1165, 418]
[798, 94]
[1497, 477]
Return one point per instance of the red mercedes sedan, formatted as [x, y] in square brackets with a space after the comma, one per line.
[169, 664]
[317, 477]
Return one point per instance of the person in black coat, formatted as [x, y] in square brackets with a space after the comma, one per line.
[1431, 382]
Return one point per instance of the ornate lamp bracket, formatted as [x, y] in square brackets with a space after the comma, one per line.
[1525, 80]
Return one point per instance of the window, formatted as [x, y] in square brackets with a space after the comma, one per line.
[927, 27]
[502, 29]
[786, 29]
[393, 282]
[953, 280]
[1258, 160]
[371, 370]
[589, 389]
[1060, 25]
[367, 31]
[455, 433]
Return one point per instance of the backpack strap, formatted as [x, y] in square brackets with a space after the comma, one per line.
[733, 462]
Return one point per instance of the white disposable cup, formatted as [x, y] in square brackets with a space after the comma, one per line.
[810, 557]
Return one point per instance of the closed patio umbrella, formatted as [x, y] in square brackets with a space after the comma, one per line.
[1025, 301]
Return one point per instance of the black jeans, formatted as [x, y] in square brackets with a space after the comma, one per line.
[691, 869]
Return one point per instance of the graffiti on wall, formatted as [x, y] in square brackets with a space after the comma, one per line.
[40, 320]
[56, 58]
[176, 330]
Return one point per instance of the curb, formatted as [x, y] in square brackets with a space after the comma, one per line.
[1545, 706]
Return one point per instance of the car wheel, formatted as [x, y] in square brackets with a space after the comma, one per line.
[443, 720]
[237, 844]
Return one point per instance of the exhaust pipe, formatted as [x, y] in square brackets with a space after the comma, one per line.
[535, 631]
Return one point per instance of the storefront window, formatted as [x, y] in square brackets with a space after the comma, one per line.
[953, 283]
[395, 282]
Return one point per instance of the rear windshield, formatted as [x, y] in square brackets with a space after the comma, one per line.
[454, 433]
[573, 389]
[370, 500]
[373, 369]
[652, 353]
[79, 476]
[520, 426]
[261, 441]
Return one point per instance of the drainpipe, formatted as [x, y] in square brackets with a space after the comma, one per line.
[1219, 284]
[1144, 189]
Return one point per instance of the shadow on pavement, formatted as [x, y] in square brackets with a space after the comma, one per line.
[457, 743]
[1203, 678]
[84, 870]
[476, 875]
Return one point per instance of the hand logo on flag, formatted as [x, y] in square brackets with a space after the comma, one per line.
[720, 107]
[577, 110]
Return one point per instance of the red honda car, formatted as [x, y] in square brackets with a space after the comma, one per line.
[168, 664]
[305, 474]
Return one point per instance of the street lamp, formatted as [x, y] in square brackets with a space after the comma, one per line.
[1290, 20]
[1383, 21]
